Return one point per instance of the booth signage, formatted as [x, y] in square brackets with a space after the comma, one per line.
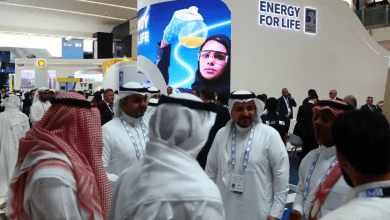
[280, 15]
[72, 49]
[143, 31]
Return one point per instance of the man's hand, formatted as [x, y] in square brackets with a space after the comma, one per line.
[294, 215]
[289, 95]
[288, 117]
[272, 218]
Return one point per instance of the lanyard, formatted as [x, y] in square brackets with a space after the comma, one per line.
[374, 192]
[132, 137]
[44, 111]
[311, 172]
[248, 146]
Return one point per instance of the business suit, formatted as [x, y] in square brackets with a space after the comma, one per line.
[304, 129]
[283, 111]
[105, 113]
[369, 108]
[222, 118]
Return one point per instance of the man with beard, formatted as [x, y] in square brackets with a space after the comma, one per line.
[125, 136]
[362, 142]
[249, 163]
[40, 105]
[321, 187]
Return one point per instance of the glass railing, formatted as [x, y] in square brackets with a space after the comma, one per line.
[374, 17]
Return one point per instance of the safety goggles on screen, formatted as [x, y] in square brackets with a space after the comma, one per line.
[216, 55]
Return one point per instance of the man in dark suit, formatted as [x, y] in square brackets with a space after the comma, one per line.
[223, 116]
[369, 106]
[285, 104]
[106, 107]
[333, 95]
[304, 127]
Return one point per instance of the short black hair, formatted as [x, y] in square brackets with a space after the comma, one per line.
[363, 138]
[207, 92]
[223, 97]
[313, 95]
[311, 91]
[262, 98]
[271, 105]
[265, 96]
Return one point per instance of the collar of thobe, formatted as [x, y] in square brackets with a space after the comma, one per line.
[130, 120]
[242, 131]
[366, 186]
[328, 152]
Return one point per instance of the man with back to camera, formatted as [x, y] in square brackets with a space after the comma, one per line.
[207, 96]
[333, 95]
[40, 105]
[369, 106]
[321, 188]
[306, 100]
[272, 118]
[249, 163]
[285, 104]
[125, 136]
[362, 142]
[304, 127]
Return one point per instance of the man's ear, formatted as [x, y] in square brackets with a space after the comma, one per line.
[203, 98]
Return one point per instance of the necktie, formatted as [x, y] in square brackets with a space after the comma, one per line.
[111, 109]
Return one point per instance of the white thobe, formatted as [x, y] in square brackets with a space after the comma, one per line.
[52, 194]
[337, 195]
[265, 178]
[9, 145]
[363, 208]
[38, 110]
[118, 151]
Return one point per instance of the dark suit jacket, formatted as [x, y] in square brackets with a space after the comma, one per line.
[283, 108]
[222, 118]
[366, 108]
[26, 103]
[105, 113]
[305, 101]
[304, 129]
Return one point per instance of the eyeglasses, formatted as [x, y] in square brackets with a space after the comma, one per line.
[218, 56]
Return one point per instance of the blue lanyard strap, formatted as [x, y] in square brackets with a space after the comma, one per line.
[307, 183]
[132, 137]
[374, 192]
[248, 146]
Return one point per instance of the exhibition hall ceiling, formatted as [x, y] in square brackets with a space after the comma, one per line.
[79, 18]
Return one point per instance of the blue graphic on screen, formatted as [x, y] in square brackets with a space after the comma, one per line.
[207, 18]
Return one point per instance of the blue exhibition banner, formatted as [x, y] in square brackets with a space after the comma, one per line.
[72, 49]
[186, 27]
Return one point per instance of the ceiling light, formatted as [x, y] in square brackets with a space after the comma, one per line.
[101, 3]
[73, 12]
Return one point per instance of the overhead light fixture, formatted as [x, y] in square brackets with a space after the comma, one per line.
[73, 12]
[101, 3]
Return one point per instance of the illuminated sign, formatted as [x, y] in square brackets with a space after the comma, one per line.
[41, 63]
[279, 15]
[143, 31]
[310, 21]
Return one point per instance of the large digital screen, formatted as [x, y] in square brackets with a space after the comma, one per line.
[189, 42]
